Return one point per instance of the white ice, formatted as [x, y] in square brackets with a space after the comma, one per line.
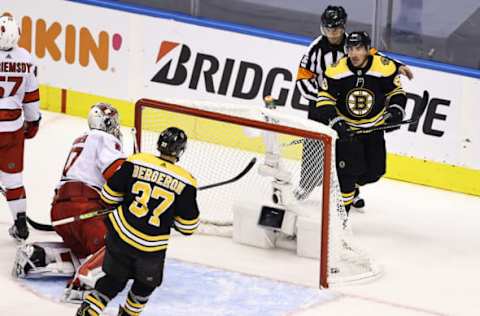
[427, 240]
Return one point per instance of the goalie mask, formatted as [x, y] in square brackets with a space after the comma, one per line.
[9, 32]
[104, 117]
[172, 142]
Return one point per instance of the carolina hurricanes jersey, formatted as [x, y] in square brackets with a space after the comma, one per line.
[94, 157]
[18, 89]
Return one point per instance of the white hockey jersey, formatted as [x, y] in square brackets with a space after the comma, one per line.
[18, 89]
[94, 157]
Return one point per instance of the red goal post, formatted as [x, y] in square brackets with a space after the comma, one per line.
[152, 116]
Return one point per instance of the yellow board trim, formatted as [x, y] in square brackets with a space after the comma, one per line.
[434, 174]
[438, 175]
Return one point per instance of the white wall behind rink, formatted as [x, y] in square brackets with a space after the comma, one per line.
[192, 62]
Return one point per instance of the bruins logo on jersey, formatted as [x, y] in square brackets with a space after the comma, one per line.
[360, 102]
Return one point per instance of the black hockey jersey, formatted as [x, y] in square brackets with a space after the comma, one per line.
[360, 96]
[151, 196]
[320, 55]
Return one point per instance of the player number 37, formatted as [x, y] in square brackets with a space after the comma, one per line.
[144, 192]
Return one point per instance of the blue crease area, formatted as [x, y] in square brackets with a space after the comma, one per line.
[190, 289]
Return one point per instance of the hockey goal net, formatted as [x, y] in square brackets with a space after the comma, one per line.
[292, 167]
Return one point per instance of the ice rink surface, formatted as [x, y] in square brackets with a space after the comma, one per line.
[427, 241]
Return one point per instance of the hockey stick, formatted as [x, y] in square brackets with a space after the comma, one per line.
[68, 220]
[81, 217]
[417, 113]
[297, 141]
[40, 226]
[236, 178]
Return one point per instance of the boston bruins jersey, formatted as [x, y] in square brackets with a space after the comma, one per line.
[151, 196]
[360, 96]
[320, 55]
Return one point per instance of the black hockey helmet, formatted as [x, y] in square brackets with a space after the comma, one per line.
[334, 16]
[172, 142]
[358, 38]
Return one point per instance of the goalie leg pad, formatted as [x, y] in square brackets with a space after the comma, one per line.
[91, 269]
[44, 259]
[28, 257]
[89, 272]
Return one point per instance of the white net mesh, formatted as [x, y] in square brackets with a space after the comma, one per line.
[288, 168]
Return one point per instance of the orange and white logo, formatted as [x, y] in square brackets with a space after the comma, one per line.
[70, 43]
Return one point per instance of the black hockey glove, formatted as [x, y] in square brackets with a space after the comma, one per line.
[395, 115]
[339, 125]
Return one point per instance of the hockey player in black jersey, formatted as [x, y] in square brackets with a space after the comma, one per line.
[324, 51]
[358, 92]
[151, 194]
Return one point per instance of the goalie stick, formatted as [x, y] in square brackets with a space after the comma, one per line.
[46, 227]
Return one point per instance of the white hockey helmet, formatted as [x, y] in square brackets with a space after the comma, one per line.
[9, 32]
[104, 117]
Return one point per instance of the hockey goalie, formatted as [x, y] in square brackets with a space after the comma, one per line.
[93, 158]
